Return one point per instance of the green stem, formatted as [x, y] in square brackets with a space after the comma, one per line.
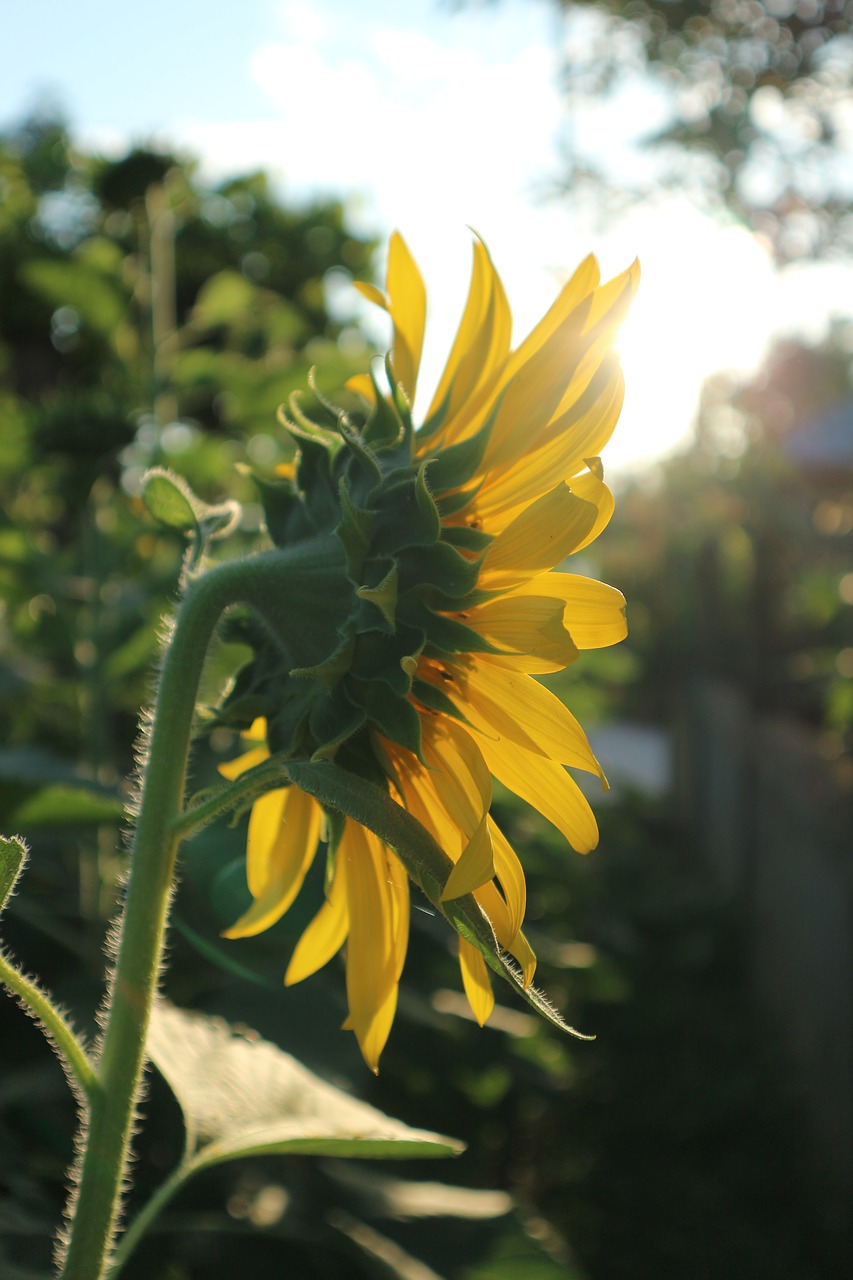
[155, 843]
[149, 1211]
[70, 1048]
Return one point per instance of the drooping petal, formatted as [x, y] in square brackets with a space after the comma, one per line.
[371, 957]
[326, 933]
[283, 832]
[511, 875]
[398, 881]
[475, 980]
[463, 785]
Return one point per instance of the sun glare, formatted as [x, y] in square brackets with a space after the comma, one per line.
[705, 304]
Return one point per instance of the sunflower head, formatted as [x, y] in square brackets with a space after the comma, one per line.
[417, 605]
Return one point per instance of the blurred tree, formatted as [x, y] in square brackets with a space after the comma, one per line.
[760, 95]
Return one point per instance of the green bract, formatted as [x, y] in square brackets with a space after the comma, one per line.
[371, 582]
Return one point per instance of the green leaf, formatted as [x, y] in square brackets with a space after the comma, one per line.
[13, 855]
[425, 861]
[61, 805]
[243, 1096]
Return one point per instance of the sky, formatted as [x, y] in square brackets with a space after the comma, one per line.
[431, 120]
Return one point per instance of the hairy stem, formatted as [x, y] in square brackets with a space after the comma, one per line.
[115, 1092]
[70, 1049]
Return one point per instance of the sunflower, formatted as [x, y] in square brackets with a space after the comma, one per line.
[418, 606]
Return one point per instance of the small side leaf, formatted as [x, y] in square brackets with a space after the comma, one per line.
[243, 1096]
[169, 500]
[13, 855]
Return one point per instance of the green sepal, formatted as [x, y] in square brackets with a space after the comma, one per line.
[454, 466]
[435, 700]
[13, 857]
[332, 668]
[354, 532]
[436, 420]
[443, 632]
[395, 717]
[451, 503]
[466, 538]
[332, 720]
[383, 596]
[383, 429]
[401, 403]
[284, 512]
[439, 566]
[406, 515]
[301, 427]
[380, 657]
[425, 861]
[360, 451]
[318, 488]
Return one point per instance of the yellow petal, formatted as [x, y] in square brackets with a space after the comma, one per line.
[373, 1040]
[532, 397]
[530, 627]
[581, 431]
[539, 537]
[475, 980]
[326, 933]
[475, 867]
[460, 776]
[283, 832]
[371, 966]
[374, 295]
[515, 707]
[576, 296]
[481, 344]
[547, 787]
[407, 305]
[594, 611]
[400, 901]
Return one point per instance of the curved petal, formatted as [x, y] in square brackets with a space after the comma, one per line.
[326, 933]
[539, 537]
[594, 612]
[529, 627]
[283, 832]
